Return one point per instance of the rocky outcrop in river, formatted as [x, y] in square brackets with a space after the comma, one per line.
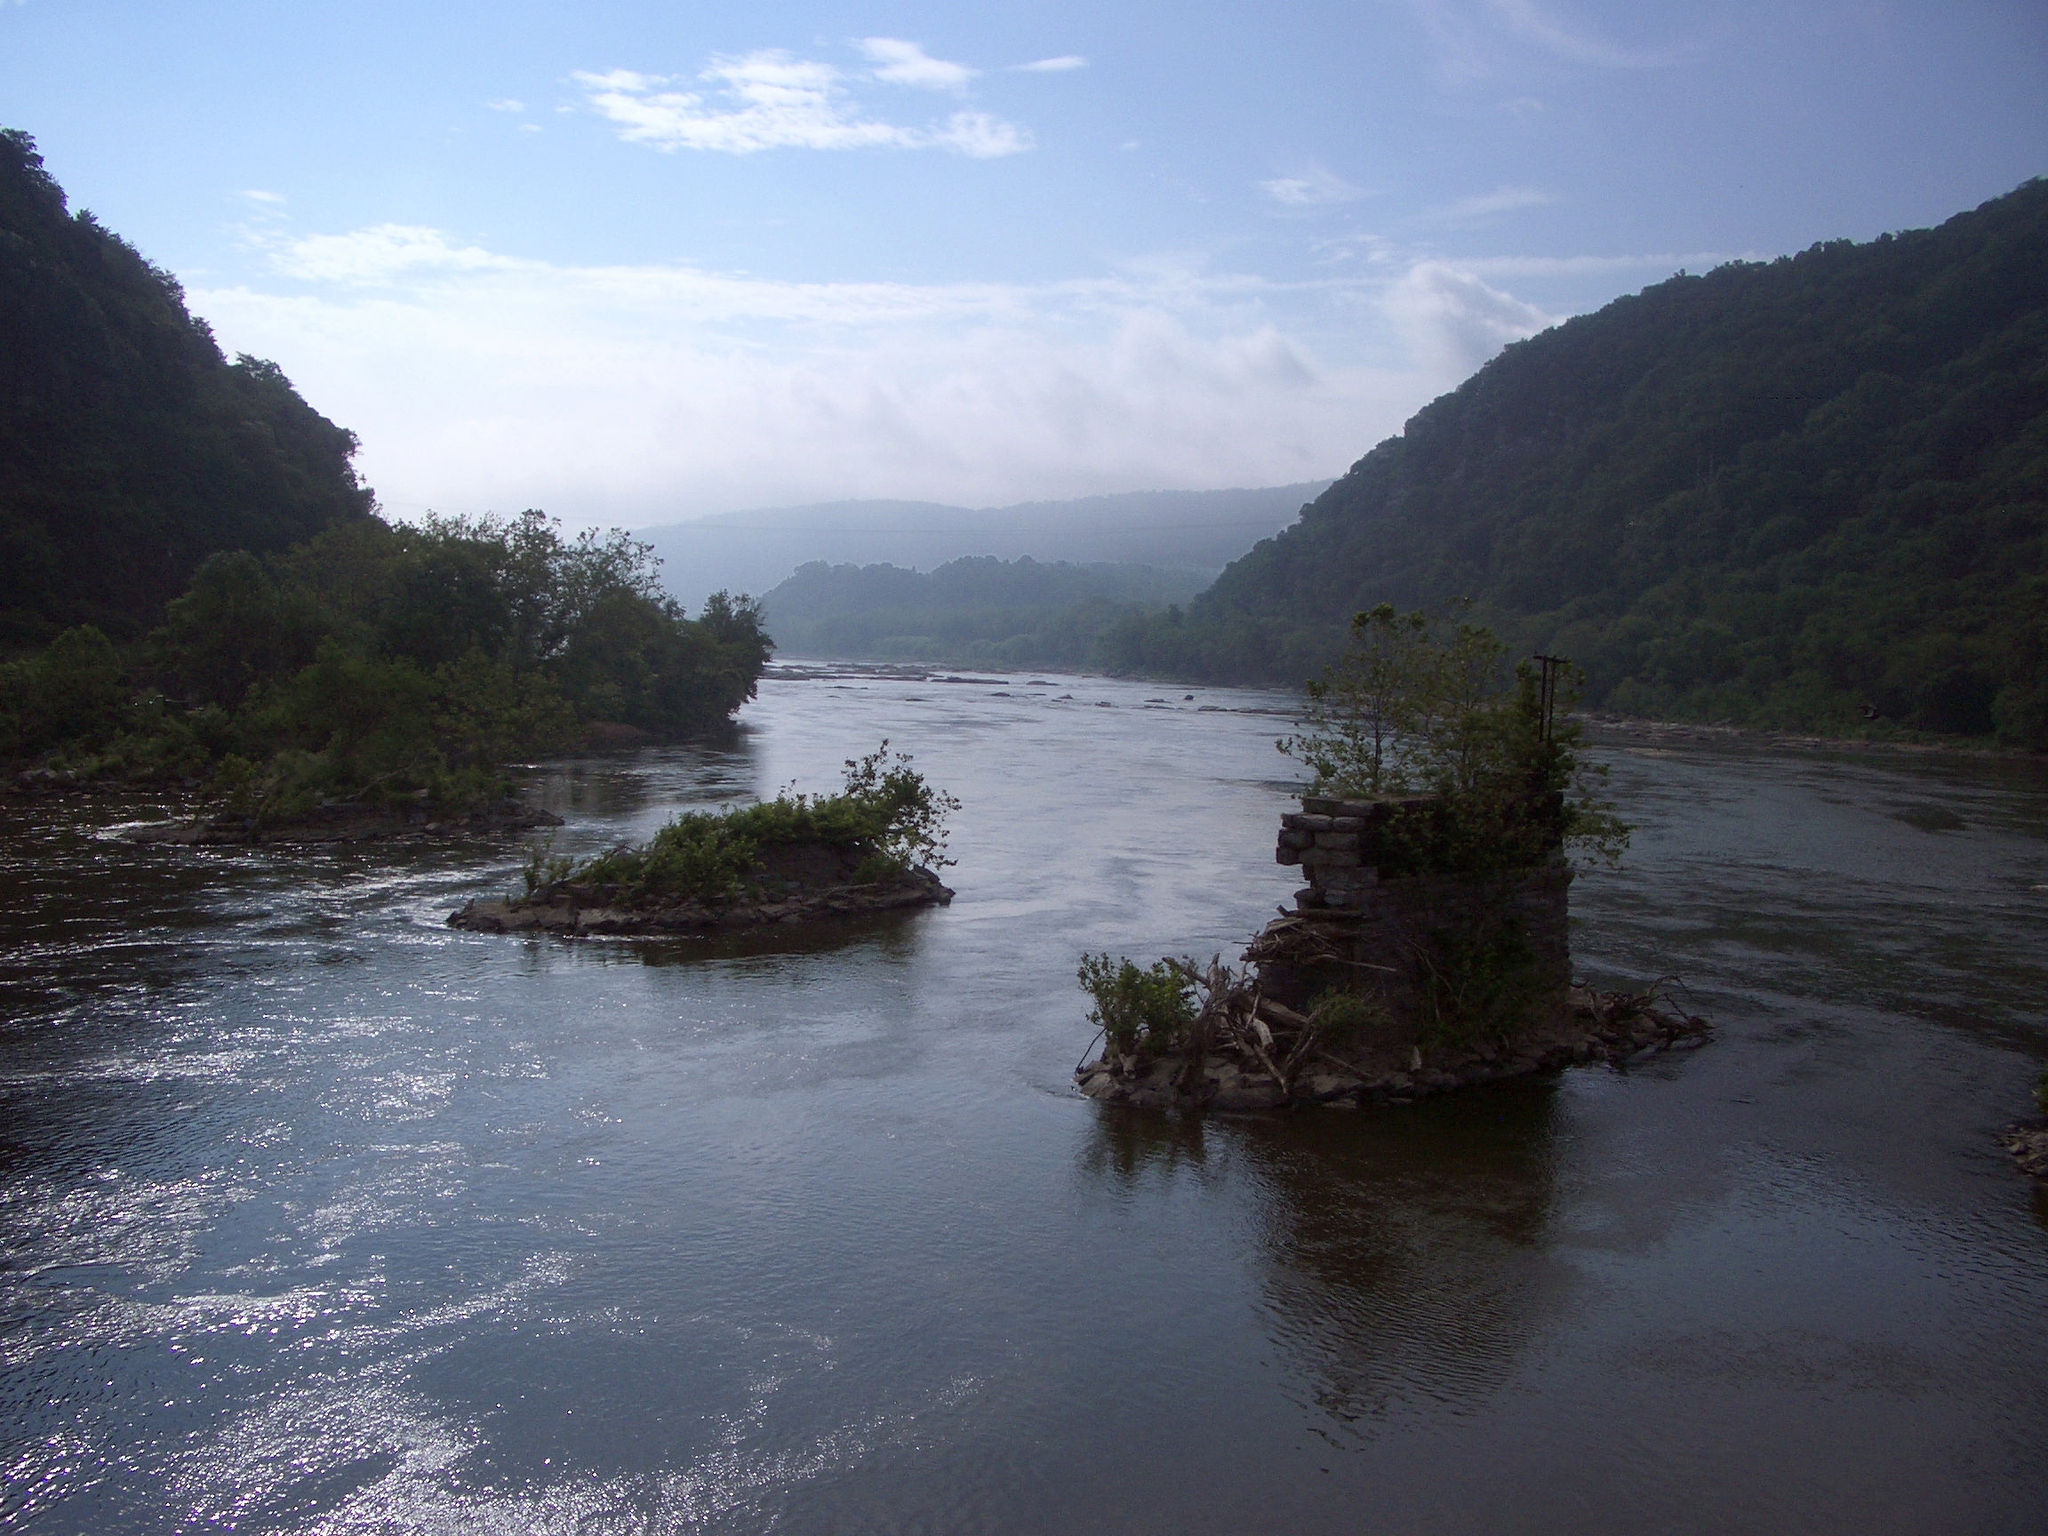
[1407, 968]
[796, 885]
[1612, 1027]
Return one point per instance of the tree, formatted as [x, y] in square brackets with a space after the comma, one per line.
[1424, 704]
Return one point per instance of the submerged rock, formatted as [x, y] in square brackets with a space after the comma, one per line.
[346, 823]
[2028, 1147]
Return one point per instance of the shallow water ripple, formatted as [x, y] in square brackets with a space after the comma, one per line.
[318, 1216]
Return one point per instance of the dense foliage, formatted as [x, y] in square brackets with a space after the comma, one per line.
[1143, 1012]
[1807, 493]
[379, 661]
[887, 814]
[1424, 704]
[979, 611]
[130, 449]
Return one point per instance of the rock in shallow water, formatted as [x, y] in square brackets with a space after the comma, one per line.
[557, 911]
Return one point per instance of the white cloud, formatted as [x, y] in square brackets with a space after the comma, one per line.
[1578, 45]
[902, 63]
[508, 104]
[1479, 40]
[980, 136]
[1487, 205]
[773, 100]
[267, 199]
[380, 255]
[1312, 189]
[1053, 66]
[1453, 322]
[640, 393]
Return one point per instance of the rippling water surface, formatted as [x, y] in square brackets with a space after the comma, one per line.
[316, 1215]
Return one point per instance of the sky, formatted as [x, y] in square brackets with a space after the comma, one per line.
[637, 262]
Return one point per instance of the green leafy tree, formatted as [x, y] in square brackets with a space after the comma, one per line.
[1425, 704]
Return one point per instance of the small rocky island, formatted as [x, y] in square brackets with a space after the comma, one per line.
[874, 847]
[1430, 948]
[796, 883]
[1393, 979]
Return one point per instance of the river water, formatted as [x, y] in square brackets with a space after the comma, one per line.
[316, 1215]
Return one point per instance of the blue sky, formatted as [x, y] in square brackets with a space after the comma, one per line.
[633, 262]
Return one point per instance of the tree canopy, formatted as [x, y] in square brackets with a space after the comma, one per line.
[386, 661]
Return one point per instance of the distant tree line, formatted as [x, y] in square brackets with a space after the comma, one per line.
[977, 611]
[1805, 493]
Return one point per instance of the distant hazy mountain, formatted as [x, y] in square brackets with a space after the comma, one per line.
[1193, 531]
[976, 611]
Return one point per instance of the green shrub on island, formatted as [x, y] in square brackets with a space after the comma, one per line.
[1142, 1012]
[887, 819]
[379, 664]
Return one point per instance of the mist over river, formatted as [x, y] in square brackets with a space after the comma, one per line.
[316, 1215]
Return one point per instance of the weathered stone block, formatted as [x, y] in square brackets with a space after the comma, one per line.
[1421, 944]
[1338, 842]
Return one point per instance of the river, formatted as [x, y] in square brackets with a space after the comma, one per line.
[318, 1216]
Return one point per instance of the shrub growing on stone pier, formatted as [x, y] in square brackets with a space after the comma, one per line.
[1480, 770]
[1143, 1013]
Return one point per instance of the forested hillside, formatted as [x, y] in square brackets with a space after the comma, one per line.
[130, 449]
[978, 611]
[1806, 492]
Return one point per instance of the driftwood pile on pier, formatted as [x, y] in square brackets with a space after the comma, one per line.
[1247, 1051]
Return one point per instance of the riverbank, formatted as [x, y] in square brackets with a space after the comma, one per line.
[1695, 733]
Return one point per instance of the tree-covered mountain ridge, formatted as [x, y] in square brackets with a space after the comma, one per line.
[1807, 493]
[130, 448]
